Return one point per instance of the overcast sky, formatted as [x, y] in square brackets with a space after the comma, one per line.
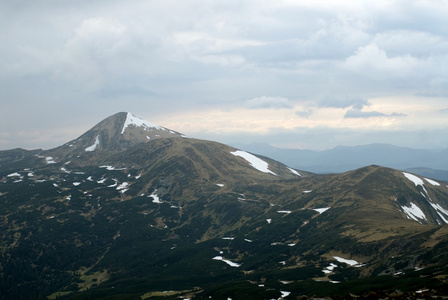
[299, 74]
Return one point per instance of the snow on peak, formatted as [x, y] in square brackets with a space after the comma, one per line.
[137, 122]
[254, 161]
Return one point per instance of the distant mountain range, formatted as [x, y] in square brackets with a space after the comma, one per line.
[132, 210]
[432, 163]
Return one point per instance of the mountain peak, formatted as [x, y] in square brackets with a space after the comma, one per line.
[115, 133]
[132, 120]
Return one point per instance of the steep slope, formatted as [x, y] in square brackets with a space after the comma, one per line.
[201, 219]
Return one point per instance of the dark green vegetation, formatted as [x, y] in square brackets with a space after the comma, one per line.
[183, 217]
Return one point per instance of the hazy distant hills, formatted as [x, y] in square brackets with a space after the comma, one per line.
[130, 210]
[432, 163]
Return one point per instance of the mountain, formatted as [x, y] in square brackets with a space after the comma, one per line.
[171, 217]
[114, 134]
[345, 158]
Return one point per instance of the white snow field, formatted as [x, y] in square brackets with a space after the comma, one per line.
[254, 161]
[414, 212]
[137, 122]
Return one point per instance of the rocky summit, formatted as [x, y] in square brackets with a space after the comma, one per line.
[132, 210]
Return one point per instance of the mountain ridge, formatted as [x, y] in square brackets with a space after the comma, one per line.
[203, 219]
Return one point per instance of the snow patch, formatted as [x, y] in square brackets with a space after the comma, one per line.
[321, 210]
[284, 294]
[349, 262]
[111, 168]
[14, 175]
[228, 238]
[435, 183]
[330, 268]
[294, 171]
[155, 197]
[65, 170]
[113, 185]
[123, 187]
[230, 263]
[137, 122]
[440, 210]
[49, 160]
[220, 184]
[414, 212]
[254, 161]
[76, 183]
[269, 221]
[284, 211]
[102, 180]
[96, 144]
[307, 192]
[413, 178]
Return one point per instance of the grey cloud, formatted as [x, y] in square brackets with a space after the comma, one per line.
[156, 57]
[356, 113]
[304, 113]
[341, 102]
[268, 102]
[395, 114]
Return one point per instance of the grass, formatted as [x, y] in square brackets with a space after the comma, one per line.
[96, 278]
[182, 294]
[58, 294]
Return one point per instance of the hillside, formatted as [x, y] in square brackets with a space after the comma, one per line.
[176, 216]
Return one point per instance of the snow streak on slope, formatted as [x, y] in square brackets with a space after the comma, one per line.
[254, 161]
[417, 181]
[93, 147]
[230, 263]
[414, 212]
[294, 172]
[413, 178]
[435, 183]
[321, 210]
[349, 262]
[137, 122]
